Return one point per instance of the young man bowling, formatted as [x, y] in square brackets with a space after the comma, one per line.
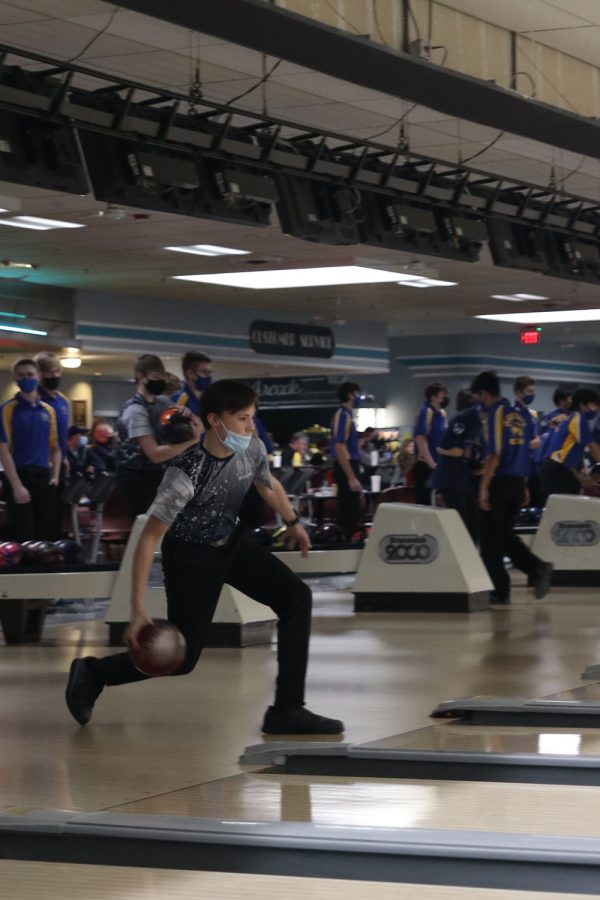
[196, 515]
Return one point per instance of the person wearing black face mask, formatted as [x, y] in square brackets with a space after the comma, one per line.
[50, 373]
[141, 453]
[563, 470]
[431, 424]
[30, 456]
[197, 373]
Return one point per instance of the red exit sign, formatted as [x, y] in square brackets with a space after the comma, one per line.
[531, 335]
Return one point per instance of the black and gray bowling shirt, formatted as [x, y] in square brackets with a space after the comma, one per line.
[200, 494]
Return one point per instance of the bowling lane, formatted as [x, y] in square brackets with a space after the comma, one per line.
[378, 803]
[46, 881]
[456, 738]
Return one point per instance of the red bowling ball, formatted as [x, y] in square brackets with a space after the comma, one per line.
[10, 553]
[161, 649]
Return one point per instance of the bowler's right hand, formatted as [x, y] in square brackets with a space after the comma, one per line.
[138, 621]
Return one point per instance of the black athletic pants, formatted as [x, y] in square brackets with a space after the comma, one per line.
[498, 538]
[558, 479]
[465, 503]
[194, 575]
[34, 521]
[421, 475]
[348, 513]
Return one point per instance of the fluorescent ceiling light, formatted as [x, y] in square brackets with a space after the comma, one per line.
[518, 298]
[22, 330]
[208, 250]
[421, 281]
[70, 362]
[36, 224]
[547, 318]
[293, 278]
[13, 315]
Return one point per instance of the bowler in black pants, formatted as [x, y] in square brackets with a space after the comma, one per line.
[196, 514]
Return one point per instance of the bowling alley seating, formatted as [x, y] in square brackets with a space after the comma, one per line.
[401, 494]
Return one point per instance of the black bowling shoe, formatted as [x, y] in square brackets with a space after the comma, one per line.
[299, 720]
[83, 689]
[542, 580]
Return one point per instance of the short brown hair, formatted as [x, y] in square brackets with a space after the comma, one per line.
[192, 358]
[148, 362]
[25, 362]
[46, 360]
[522, 382]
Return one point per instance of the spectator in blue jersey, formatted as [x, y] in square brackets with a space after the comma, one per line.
[460, 458]
[50, 374]
[562, 471]
[548, 424]
[141, 453]
[346, 466]
[30, 456]
[197, 371]
[524, 388]
[502, 490]
[431, 424]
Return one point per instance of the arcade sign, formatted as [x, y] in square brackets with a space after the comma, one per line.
[286, 339]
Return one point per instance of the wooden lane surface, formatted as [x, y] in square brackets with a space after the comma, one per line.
[49, 881]
[451, 737]
[375, 802]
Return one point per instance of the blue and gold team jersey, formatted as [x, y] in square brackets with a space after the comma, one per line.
[185, 398]
[510, 430]
[30, 431]
[569, 440]
[431, 423]
[62, 409]
[343, 431]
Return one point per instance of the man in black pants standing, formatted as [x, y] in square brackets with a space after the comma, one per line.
[346, 455]
[430, 426]
[502, 490]
[196, 514]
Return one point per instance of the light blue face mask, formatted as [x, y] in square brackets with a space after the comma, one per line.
[83, 440]
[237, 443]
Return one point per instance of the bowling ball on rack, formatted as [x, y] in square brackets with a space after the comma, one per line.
[262, 536]
[330, 533]
[175, 427]
[10, 553]
[312, 531]
[69, 552]
[27, 552]
[161, 649]
[43, 553]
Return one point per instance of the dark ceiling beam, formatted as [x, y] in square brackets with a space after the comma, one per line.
[285, 35]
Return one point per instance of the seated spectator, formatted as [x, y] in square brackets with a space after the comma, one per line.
[405, 460]
[320, 457]
[80, 458]
[103, 441]
[296, 452]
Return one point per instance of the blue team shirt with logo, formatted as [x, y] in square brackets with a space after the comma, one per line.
[569, 441]
[60, 405]
[29, 429]
[464, 430]
[511, 428]
[343, 431]
[431, 423]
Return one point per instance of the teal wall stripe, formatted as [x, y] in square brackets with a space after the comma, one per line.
[176, 337]
[427, 361]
